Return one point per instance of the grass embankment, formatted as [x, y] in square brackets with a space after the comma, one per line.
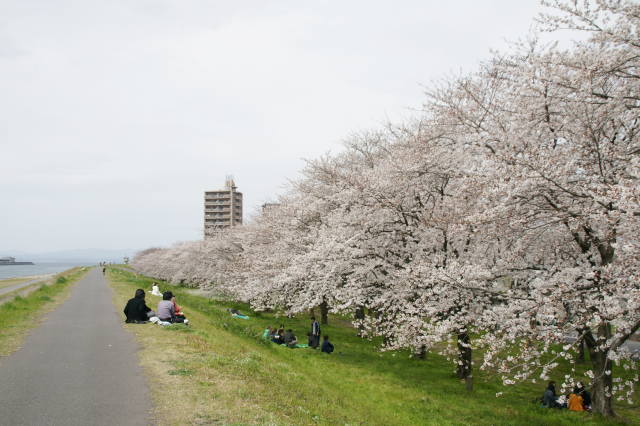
[219, 370]
[20, 314]
[13, 281]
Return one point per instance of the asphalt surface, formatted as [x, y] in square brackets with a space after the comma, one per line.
[15, 287]
[77, 368]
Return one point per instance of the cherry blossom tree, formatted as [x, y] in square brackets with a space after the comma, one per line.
[508, 210]
[560, 132]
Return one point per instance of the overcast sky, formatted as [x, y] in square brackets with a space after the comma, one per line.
[116, 115]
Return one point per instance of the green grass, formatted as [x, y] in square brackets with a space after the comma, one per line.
[222, 362]
[20, 314]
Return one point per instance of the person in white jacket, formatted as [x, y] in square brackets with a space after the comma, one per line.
[155, 290]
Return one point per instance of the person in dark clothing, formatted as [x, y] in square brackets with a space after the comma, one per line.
[279, 337]
[137, 310]
[327, 347]
[586, 396]
[549, 398]
[290, 339]
[315, 334]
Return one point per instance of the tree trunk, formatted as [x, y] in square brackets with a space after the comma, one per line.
[359, 315]
[324, 313]
[465, 367]
[580, 358]
[602, 383]
[421, 352]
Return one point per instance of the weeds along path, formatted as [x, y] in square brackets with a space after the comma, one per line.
[79, 367]
[11, 288]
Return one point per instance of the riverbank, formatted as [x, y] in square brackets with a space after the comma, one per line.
[8, 282]
[39, 268]
[227, 374]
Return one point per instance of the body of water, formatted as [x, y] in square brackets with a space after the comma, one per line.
[40, 268]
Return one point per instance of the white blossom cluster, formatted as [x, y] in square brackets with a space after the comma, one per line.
[506, 217]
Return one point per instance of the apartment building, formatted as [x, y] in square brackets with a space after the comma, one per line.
[223, 208]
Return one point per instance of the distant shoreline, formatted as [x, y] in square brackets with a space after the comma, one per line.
[40, 268]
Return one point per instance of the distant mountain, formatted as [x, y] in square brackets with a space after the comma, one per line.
[91, 255]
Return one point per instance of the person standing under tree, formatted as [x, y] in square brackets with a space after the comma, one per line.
[315, 333]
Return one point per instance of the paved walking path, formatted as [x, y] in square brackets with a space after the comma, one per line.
[18, 286]
[78, 368]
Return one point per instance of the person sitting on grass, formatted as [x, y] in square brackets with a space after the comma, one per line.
[327, 347]
[268, 332]
[549, 398]
[586, 396]
[279, 337]
[237, 314]
[155, 290]
[167, 311]
[575, 402]
[137, 310]
[177, 308]
[290, 339]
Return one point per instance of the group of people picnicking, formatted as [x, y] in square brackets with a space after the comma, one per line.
[578, 400]
[168, 312]
[289, 339]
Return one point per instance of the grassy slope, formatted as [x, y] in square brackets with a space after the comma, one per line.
[222, 372]
[23, 313]
[13, 281]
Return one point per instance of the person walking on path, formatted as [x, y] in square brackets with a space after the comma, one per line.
[315, 334]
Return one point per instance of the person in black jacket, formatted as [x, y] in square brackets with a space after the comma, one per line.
[586, 396]
[314, 339]
[327, 347]
[549, 398]
[136, 309]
